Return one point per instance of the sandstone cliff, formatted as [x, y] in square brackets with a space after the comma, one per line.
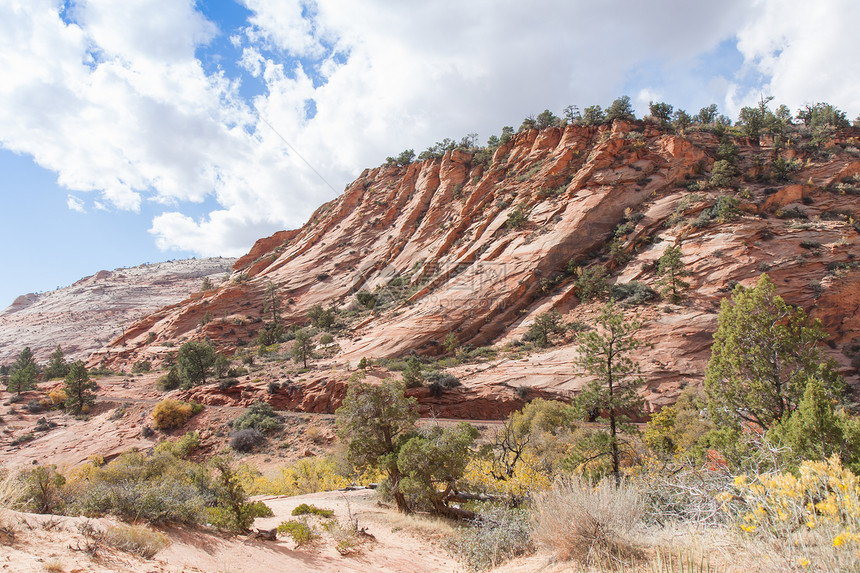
[452, 245]
[85, 316]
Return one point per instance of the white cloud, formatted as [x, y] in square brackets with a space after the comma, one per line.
[807, 51]
[118, 104]
[75, 204]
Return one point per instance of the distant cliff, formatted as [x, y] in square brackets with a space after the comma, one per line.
[93, 311]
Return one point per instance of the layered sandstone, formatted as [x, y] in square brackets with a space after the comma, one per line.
[441, 238]
[85, 316]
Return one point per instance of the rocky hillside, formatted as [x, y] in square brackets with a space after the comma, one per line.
[85, 316]
[478, 249]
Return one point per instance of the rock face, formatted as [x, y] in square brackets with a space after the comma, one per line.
[85, 316]
[477, 249]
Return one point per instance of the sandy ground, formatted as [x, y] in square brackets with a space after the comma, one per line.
[41, 543]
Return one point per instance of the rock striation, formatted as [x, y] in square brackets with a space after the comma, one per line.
[478, 248]
[83, 317]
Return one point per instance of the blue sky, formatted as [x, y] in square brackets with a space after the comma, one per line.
[148, 130]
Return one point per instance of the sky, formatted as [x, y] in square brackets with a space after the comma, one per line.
[148, 130]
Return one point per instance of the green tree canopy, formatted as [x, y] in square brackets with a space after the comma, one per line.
[303, 347]
[80, 390]
[605, 358]
[195, 361]
[621, 108]
[57, 366]
[661, 111]
[816, 430]
[437, 456]
[544, 326]
[375, 422]
[671, 268]
[764, 353]
[23, 373]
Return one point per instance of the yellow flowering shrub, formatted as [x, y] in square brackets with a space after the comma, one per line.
[818, 507]
[530, 476]
[307, 475]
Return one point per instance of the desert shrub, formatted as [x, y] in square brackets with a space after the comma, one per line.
[23, 439]
[158, 499]
[34, 406]
[791, 213]
[545, 325]
[259, 416]
[141, 366]
[171, 414]
[633, 293]
[181, 448]
[307, 475]
[366, 299]
[808, 244]
[136, 539]
[443, 379]
[57, 398]
[221, 366]
[226, 383]
[679, 490]
[723, 174]
[305, 509]
[723, 211]
[590, 524]
[496, 536]
[169, 381]
[43, 425]
[246, 440]
[321, 317]
[273, 387]
[412, 375]
[232, 510]
[235, 372]
[300, 532]
[147, 432]
[591, 283]
[41, 490]
[516, 218]
[810, 516]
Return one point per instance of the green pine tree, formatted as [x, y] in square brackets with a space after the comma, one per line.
[23, 373]
[671, 269]
[764, 354]
[79, 388]
[303, 347]
[612, 392]
[57, 366]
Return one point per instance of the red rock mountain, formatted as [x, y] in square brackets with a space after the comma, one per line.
[85, 316]
[453, 245]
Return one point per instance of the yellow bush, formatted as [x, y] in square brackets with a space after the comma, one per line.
[818, 510]
[169, 414]
[307, 475]
[57, 397]
[529, 477]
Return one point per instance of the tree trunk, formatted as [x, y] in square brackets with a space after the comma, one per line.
[394, 477]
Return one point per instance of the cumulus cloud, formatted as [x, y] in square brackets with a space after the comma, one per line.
[112, 96]
[805, 51]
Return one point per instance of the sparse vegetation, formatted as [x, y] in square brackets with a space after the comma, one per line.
[195, 361]
[171, 414]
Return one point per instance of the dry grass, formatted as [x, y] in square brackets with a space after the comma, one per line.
[136, 539]
[591, 524]
[54, 566]
[422, 524]
[9, 488]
